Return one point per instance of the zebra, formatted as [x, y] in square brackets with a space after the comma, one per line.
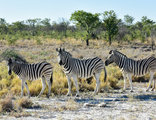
[26, 71]
[132, 67]
[80, 68]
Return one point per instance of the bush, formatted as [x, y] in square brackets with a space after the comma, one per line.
[9, 53]
[11, 39]
[6, 105]
[25, 103]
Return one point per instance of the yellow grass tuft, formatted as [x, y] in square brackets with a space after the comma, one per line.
[24, 103]
[70, 105]
[6, 105]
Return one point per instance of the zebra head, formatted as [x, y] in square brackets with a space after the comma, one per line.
[10, 66]
[111, 58]
[62, 56]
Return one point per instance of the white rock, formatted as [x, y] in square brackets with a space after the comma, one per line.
[102, 104]
[88, 105]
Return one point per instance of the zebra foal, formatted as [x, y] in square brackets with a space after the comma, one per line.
[31, 72]
[77, 68]
[132, 67]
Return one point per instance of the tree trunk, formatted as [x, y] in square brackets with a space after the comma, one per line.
[152, 40]
[110, 40]
[87, 42]
[153, 45]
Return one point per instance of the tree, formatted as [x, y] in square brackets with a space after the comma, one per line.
[86, 21]
[3, 26]
[144, 28]
[17, 26]
[147, 25]
[33, 24]
[110, 23]
[128, 20]
[46, 24]
[122, 32]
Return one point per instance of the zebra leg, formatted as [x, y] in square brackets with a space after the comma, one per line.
[25, 83]
[22, 87]
[150, 81]
[76, 84]
[49, 88]
[130, 82]
[43, 86]
[125, 78]
[69, 86]
[97, 76]
[153, 85]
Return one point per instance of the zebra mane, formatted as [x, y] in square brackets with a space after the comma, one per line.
[67, 53]
[119, 53]
[62, 50]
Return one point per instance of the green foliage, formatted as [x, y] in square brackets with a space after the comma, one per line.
[86, 26]
[128, 20]
[38, 41]
[9, 53]
[110, 23]
[86, 21]
[12, 40]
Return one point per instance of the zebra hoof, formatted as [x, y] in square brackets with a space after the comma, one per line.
[124, 90]
[131, 91]
[152, 89]
[95, 93]
[68, 95]
[77, 95]
[47, 96]
[38, 96]
[147, 90]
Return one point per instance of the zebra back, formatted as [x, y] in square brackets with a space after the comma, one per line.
[32, 71]
[136, 67]
[83, 68]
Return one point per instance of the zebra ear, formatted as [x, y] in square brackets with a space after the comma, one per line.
[110, 52]
[10, 60]
[57, 49]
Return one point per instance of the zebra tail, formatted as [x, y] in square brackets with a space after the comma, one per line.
[105, 74]
[51, 78]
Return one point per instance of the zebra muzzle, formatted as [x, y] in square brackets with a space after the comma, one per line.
[9, 72]
[106, 63]
[60, 63]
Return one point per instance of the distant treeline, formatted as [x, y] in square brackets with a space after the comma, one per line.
[82, 25]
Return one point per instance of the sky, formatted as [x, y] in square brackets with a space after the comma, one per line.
[18, 10]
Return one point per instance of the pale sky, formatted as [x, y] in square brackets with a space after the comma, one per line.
[18, 10]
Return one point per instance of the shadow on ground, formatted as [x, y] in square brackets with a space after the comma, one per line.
[146, 97]
[114, 99]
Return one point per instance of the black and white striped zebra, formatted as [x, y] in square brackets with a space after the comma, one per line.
[132, 67]
[80, 68]
[31, 72]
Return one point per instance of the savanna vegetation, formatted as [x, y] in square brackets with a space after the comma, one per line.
[85, 35]
[82, 26]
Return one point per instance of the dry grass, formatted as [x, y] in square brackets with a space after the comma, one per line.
[13, 107]
[20, 114]
[33, 52]
[6, 105]
[70, 105]
[24, 103]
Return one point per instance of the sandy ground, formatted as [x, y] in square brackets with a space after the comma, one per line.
[112, 105]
